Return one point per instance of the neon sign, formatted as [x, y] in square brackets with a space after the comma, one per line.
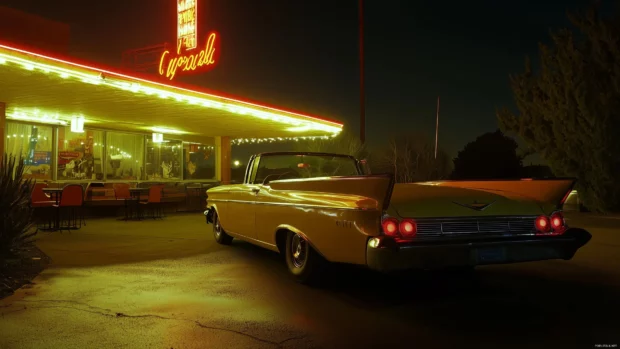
[183, 59]
[187, 23]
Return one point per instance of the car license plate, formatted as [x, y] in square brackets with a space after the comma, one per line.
[491, 255]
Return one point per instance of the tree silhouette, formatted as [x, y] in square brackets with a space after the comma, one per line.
[344, 143]
[569, 110]
[411, 158]
[491, 156]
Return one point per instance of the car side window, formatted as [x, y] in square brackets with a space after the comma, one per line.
[255, 165]
[247, 178]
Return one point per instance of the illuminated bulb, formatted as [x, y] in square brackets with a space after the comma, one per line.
[135, 87]
[77, 124]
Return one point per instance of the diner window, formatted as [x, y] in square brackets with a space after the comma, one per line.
[199, 161]
[163, 160]
[125, 156]
[79, 154]
[34, 144]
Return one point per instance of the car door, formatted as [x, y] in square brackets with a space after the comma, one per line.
[270, 212]
[241, 207]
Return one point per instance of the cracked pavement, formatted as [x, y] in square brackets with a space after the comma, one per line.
[167, 284]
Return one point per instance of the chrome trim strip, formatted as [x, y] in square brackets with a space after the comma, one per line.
[294, 205]
[419, 219]
[474, 244]
[251, 240]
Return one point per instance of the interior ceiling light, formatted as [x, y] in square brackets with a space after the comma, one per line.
[166, 130]
[35, 116]
[77, 124]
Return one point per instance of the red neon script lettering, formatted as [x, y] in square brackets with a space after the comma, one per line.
[188, 62]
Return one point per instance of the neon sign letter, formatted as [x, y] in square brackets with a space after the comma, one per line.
[189, 62]
[183, 58]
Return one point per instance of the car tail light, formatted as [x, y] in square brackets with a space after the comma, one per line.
[557, 220]
[390, 226]
[558, 223]
[408, 228]
[543, 224]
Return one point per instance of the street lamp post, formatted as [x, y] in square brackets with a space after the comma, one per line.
[361, 56]
[437, 128]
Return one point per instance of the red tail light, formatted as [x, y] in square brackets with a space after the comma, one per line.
[408, 228]
[543, 224]
[390, 226]
[557, 220]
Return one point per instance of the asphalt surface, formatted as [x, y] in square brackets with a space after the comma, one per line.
[167, 284]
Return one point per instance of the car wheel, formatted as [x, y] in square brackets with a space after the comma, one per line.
[218, 232]
[302, 260]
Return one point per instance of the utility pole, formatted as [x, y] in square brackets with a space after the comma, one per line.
[437, 128]
[361, 54]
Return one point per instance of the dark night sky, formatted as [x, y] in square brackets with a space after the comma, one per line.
[304, 54]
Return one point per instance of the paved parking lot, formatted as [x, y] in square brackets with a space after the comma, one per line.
[167, 284]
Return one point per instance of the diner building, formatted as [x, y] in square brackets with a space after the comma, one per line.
[79, 122]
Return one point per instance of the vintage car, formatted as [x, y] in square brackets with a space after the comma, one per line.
[316, 208]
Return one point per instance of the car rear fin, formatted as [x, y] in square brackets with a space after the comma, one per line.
[547, 191]
[377, 187]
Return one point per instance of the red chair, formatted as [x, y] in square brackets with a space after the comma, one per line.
[71, 199]
[154, 201]
[38, 198]
[41, 201]
[122, 193]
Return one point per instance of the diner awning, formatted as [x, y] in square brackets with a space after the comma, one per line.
[51, 90]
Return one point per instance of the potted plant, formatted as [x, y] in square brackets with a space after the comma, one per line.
[16, 215]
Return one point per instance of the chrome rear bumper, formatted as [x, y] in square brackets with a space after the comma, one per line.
[388, 255]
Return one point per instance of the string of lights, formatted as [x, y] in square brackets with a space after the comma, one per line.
[240, 141]
[100, 78]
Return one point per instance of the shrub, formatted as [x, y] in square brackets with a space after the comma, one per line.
[16, 215]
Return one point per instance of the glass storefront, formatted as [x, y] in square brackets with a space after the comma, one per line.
[79, 155]
[97, 155]
[125, 156]
[199, 161]
[34, 144]
[163, 160]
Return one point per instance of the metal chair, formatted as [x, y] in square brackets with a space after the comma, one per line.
[71, 199]
[122, 193]
[154, 201]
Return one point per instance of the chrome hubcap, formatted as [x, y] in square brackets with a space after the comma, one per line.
[299, 249]
[216, 228]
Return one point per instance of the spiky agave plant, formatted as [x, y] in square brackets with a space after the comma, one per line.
[16, 215]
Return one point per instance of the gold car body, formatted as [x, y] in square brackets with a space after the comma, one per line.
[338, 215]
